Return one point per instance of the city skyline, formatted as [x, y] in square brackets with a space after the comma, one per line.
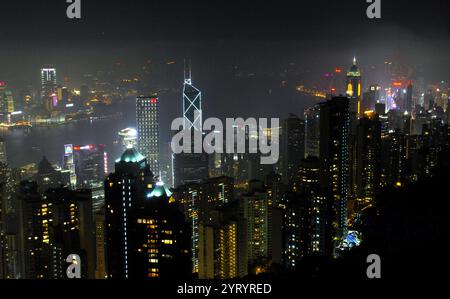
[319, 143]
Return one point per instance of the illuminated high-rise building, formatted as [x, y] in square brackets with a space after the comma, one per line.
[192, 103]
[126, 188]
[190, 167]
[334, 166]
[370, 98]
[219, 250]
[54, 225]
[63, 96]
[3, 158]
[293, 148]
[6, 101]
[368, 156]
[91, 165]
[409, 98]
[395, 151]
[49, 96]
[294, 229]
[312, 131]
[73, 230]
[189, 198]
[147, 118]
[100, 245]
[217, 192]
[275, 188]
[197, 201]
[255, 210]
[354, 88]
[146, 234]
[49, 176]
[69, 164]
[304, 216]
[10, 261]
[36, 249]
[314, 236]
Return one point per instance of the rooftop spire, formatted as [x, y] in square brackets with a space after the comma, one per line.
[187, 72]
[354, 60]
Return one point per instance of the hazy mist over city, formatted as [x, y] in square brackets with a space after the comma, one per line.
[90, 177]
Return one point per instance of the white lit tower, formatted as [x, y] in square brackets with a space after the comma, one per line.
[192, 103]
[48, 87]
[147, 118]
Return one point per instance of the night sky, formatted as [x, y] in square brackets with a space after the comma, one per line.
[265, 37]
[44, 21]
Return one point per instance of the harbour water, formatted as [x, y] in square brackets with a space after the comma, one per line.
[29, 145]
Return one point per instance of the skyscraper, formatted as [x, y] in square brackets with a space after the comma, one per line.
[396, 149]
[190, 167]
[354, 88]
[147, 118]
[146, 235]
[6, 100]
[312, 131]
[254, 208]
[49, 177]
[218, 240]
[314, 237]
[192, 103]
[409, 98]
[3, 158]
[73, 230]
[100, 245]
[189, 198]
[294, 228]
[91, 165]
[368, 156]
[48, 88]
[69, 164]
[293, 138]
[127, 187]
[334, 166]
[197, 201]
[54, 225]
[370, 98]
[36, 249]
[10, 262]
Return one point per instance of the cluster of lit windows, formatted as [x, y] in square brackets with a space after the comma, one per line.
[146, 221]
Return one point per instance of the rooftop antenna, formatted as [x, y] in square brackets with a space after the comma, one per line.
[187, 72]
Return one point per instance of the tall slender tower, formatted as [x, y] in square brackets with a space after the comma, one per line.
[190, 167]
[334, 167]
[192, 102]
[293, 138]
[147, 118]
[3, 158]
[48, 88]
[354, 88]
[146, 235]
[312, 131]
[6, 99]
[368, 155]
